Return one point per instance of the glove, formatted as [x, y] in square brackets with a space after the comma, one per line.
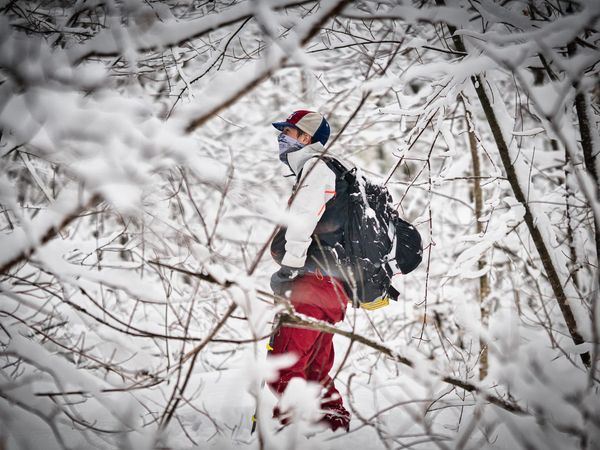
[336, 421]
[281, 281]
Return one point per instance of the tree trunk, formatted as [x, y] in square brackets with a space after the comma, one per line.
[511, 174]
[587, 145]
[484, 287]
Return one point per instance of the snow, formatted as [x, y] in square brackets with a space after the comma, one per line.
[137, 133]
[24, 240]
[450, 15]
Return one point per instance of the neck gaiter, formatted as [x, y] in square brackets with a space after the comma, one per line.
[287, 145]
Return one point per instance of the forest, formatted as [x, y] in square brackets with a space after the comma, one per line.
[140, 188]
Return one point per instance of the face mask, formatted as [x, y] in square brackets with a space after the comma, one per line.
[287, 145]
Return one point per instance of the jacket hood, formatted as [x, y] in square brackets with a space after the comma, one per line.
[297, 159]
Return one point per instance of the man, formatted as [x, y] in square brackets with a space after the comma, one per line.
[306, 251]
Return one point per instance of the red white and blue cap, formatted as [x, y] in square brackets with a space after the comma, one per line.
[312, 123]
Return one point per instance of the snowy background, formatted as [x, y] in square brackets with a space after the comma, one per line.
[140, 186]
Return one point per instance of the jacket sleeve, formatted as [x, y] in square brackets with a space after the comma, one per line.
[305, 211]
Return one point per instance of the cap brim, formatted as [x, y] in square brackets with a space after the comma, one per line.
[281, 125]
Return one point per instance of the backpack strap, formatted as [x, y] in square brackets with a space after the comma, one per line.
[349, 175]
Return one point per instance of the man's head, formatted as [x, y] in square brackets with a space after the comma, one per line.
[306, 127]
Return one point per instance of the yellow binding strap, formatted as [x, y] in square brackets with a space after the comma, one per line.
[376, 304]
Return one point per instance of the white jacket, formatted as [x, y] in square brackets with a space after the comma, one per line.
[317, 188]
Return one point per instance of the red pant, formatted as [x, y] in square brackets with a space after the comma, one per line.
[322, 298]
